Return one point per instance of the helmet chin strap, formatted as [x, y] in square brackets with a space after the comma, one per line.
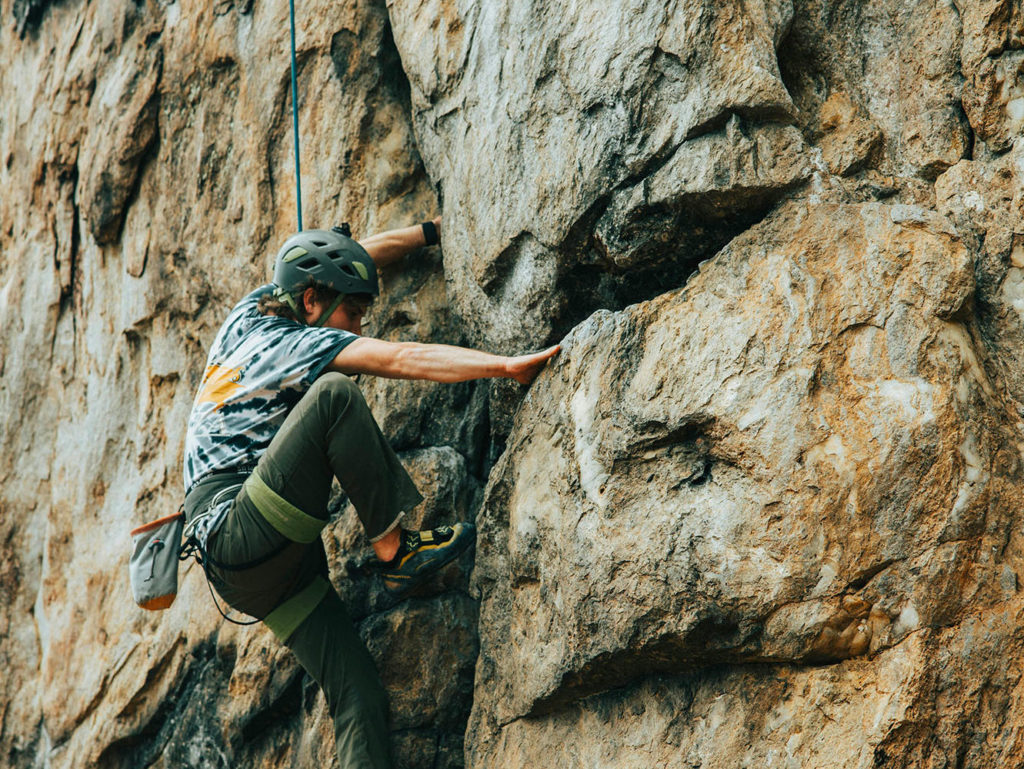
[288, 299]
[329, 311]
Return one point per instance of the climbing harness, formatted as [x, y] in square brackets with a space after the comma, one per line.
[196, 535]
[157, 550]
[193, 549]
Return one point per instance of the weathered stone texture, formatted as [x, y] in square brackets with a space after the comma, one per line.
[148, 151]
[993, 66]
[897, 62]
[987, 201]
[762, 510]
[660, 112]
[815, 478]
[896, 710]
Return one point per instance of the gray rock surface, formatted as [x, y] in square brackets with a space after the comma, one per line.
[557, 151]
[821, 473]
[986, 200]
[150, 148]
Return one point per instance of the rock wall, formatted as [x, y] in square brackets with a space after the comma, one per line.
[761, 510]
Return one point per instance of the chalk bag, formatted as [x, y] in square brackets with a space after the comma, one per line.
[154, 563]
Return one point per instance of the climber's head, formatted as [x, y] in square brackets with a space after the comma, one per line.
[330, 260]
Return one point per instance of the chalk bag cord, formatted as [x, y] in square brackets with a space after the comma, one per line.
[295, 118]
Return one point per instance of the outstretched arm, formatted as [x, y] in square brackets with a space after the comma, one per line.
[436, 362]
[387, 247]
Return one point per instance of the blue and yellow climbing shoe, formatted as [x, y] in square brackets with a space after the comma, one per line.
[423, 553]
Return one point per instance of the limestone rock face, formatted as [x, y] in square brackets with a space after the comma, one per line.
[822, 472]
[895, 66]
[994, 71]
[762, 509]
[147, 148]
[987, 202]
[557, 140]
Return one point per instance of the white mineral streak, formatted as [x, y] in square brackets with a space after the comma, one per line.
[584, 407]
[907, 620]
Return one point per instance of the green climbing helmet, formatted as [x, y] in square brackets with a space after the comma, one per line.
[329, 257]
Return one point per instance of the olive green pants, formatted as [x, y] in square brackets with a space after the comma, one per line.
[274, 522]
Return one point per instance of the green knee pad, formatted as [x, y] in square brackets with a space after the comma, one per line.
[285, 517]
[289, 615]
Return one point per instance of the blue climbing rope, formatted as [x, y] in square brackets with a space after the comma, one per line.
[295, 118]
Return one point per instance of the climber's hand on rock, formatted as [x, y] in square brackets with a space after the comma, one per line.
[524, 368]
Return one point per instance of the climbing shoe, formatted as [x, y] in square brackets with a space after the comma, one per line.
[421, 553]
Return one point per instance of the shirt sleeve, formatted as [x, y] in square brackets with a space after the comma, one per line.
[307, 351]
[333, 342]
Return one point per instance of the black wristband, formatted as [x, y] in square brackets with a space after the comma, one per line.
[430, 233]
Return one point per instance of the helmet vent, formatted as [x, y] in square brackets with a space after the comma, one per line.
[308, 264]
[320, 243]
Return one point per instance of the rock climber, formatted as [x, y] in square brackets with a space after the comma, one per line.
[277, 418]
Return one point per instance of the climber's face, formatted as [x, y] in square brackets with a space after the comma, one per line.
[347, 316]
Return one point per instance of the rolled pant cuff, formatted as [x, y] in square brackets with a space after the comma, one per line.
[389, 529]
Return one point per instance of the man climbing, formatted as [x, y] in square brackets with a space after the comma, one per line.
[277, 418]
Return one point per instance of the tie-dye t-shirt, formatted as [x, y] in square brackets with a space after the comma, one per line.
[259, 367]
